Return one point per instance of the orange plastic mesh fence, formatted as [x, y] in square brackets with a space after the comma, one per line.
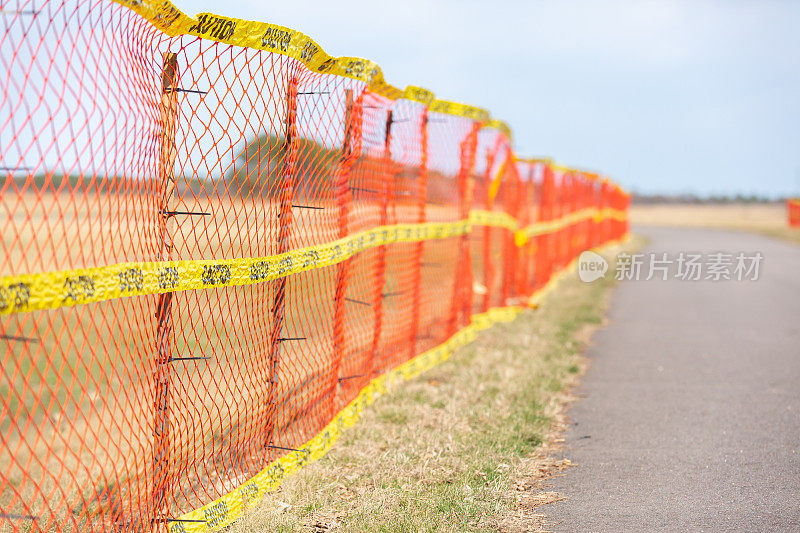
[793, 211]
[219, 243]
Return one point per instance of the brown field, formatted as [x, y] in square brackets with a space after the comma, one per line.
[768, 219]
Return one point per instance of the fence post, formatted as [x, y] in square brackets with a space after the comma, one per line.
[422, 195]
[528, 250]
[164, 327]
[604, 204]
[564, 210]
[462, 284]
[350, 145]
[523, 216]
[559, 210]
[615, 203]
[597, 220]
[387, 181]
[626, 205]
[488, 267]
[572, 229]
[569, 200]
[467, 195]
[544, 247]
[510, 255]
[597, 191]
[286, 194]
[591, 203]
[580, 203]
[583, 231]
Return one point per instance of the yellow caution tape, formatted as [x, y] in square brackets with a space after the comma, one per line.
[522, 236]
[292, 43]
[614, 214]
[500, 126]
[480, 217]
[51, 290]
[494, 186]
[418, 94]
[161, 14]
[460, 110]
[543, 160]
[540, 228]
[567, 169]
[590, 174]
[558, 167]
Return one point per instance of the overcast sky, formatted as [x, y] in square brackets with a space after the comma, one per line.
[680, 96]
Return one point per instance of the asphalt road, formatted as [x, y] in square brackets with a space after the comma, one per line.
[690, 415]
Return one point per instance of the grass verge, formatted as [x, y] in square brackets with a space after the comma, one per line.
[461, 448]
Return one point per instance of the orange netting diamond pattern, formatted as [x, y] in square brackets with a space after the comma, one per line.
[210, 250]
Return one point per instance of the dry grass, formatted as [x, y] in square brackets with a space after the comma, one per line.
[768, 219]
[464, 447]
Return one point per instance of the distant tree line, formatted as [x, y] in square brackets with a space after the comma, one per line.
[649, 199]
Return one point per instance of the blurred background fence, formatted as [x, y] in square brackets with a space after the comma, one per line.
[219, 243]
[793, 211]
